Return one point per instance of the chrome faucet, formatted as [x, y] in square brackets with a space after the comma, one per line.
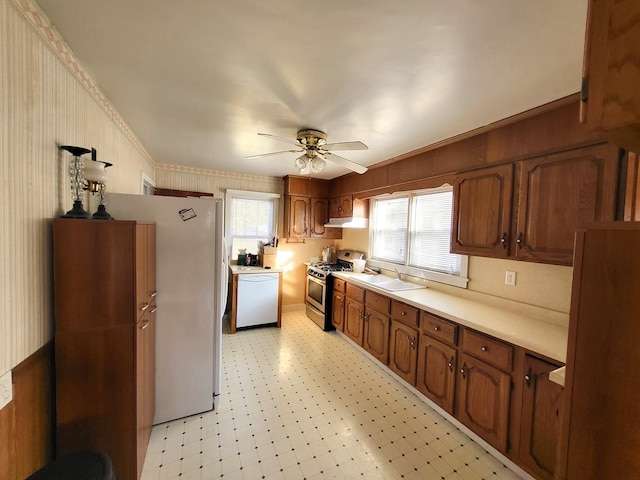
[397, 274]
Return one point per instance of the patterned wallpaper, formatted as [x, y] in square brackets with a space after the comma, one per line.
[46, 100]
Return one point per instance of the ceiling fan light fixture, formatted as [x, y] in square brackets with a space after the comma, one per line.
[301, 163]
[318, 164]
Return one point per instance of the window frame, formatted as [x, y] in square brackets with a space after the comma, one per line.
[230, 194]
[460, 281]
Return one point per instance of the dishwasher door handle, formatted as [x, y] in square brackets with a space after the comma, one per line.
[257, 278]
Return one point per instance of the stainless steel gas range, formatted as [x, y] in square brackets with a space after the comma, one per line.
[320, 285]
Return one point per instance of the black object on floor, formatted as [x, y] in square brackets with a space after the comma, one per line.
[81, 465]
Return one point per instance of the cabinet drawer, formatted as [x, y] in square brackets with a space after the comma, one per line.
[439, 328]
[378, 302]
[404, 313]
[338, 285]
[489, 350]
[356, 293]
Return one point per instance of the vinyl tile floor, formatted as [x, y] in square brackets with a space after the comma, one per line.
[299, 403]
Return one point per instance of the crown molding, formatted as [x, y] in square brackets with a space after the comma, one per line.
[217, 173]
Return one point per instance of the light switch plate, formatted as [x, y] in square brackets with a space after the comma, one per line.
[6, 389]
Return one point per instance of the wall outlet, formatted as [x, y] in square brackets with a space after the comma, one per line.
[510, 278]
[6, 389]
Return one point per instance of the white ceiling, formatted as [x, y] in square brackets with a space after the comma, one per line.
[198, 79]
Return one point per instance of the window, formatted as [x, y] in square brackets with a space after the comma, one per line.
[250, 219]
[411, 233]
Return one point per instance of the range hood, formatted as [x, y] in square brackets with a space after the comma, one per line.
[348, 222]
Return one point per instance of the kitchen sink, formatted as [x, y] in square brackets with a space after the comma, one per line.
[389, 284]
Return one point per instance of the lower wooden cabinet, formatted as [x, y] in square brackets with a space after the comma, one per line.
[376, 335]
[483, 400]
[499, 391]
[540, 429]
[403, 351]
[437, 371]
[337, 310]
[354, 320]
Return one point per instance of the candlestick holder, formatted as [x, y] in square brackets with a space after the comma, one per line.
[76, 168]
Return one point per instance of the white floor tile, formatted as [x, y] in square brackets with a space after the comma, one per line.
[299, 403]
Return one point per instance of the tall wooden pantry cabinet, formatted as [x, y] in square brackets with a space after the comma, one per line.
[601, 412]
[105, 303]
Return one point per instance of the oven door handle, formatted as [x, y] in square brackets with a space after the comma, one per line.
[317, 280]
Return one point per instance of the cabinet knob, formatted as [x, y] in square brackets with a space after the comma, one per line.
[154, 310]
[450, 364]
[484, 349]
[527, 377]
[519, 240]
[503, 240]
[145, 306]
[153, 294]
[436, 329]
[144, 325]
[403, 313]
[413, 343]
[463, 370]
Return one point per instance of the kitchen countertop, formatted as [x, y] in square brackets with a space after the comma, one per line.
[546, 338]
[235, 269]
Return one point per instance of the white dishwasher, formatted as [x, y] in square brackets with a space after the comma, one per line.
[257, 299]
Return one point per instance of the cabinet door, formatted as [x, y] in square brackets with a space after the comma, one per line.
[341, 206]
[298, 214]
[483, 400]
[319, 216]
[403, 351]
[436, 371]
[354, 320]
[611, 101]
[95, 394]
[557, 194]
[145, 339]
[376, 335]
[482, 212]
[540, 418]
[337, 311]
[145, 383]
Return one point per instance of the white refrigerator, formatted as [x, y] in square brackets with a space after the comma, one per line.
[191, 278]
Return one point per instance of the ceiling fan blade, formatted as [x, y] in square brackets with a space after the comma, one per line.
[261, 155]
[288, 140]
[345, 146]
[343, 162]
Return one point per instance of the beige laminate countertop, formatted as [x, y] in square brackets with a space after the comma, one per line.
[546, 338]
[235, 269]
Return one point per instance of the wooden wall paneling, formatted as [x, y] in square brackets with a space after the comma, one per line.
[26, 423]
[432, 182]
[462, 155]
[555, 130]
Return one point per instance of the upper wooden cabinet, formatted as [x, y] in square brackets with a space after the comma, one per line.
[482, 211]
[610, 96]
[307, 209]
[553, 196]
[319, 216]
[297, 214]
[341, 206]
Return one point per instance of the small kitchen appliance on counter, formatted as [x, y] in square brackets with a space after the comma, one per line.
[320, 284]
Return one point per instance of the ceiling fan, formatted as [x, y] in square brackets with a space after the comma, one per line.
[315, 150]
